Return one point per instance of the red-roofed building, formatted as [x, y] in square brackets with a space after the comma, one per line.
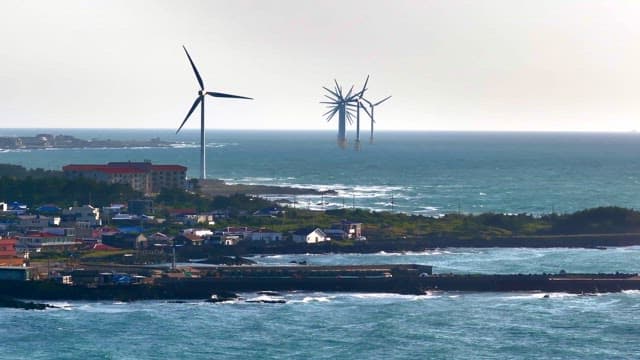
[142, 176]
[8, 254]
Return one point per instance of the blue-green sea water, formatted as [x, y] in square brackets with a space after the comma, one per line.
[419, 173]
[427, 173]
[438, 325]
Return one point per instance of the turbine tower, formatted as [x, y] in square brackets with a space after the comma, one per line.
[370, 112]
[341, 104]
[200, 101]
[359, 101]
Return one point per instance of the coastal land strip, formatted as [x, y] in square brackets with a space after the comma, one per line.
[215, 187]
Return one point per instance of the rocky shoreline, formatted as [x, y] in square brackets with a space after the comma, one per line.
[215, 187]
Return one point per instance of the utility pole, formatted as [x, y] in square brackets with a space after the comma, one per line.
[173, 258]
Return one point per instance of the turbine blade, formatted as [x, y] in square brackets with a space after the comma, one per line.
[194, 69]
[349, 93]
[217, 94]
[332, 92]
[333, 113]
[367, 101]
[338, 88]
[330, 98]
[330, 110]
[364, 87]
[328, 102]
[367, 111]
[383, 100]
[193, 107]
[349, 118]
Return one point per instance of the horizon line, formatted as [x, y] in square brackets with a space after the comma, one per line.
[633, 131]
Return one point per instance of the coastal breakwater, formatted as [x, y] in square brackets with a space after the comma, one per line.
[585, 241]
[401, 279]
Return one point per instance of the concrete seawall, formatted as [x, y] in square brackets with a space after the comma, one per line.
[402, 279]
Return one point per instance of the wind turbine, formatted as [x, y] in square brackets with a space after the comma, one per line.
[361, 94]
[370, 112]
[200, 101]
[341, 104]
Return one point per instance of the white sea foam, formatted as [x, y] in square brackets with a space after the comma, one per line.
[184, 145]
[537, 295]
[383, 296]
[631, 292]
[309, 299]
[62, 305]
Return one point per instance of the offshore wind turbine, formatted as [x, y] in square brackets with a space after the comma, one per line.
[341, 104]
[360, 95]
[370, 112]
[200, 101]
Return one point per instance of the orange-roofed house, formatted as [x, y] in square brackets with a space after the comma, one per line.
[8, 254]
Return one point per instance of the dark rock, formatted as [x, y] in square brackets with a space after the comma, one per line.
[8, 302]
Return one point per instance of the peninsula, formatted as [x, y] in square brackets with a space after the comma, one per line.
[49, 141]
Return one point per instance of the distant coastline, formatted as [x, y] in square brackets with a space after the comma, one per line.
[49, 141]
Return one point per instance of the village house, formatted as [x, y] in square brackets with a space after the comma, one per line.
[125, 240]
[352, 229]
[36, 222]
[197, 232]
[111, 210]
[346, 230]
[16, 208]
[265, 235]
[191, 217]
[188, 239]
[160, 239]
[8, 253]
[310, 236]
[84, 213]
[195, 219]
[230, 240]
[47, 239]
[241, 231]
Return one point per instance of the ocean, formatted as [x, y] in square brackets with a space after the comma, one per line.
[429, 173]
[313, 325]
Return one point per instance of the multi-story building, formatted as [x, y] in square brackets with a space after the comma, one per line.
[141, 176]
[47, 239]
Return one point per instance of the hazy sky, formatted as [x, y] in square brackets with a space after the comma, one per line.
[450, 65]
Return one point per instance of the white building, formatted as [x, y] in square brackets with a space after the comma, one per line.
[197, 232]
[85, 213]
[310, 236]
